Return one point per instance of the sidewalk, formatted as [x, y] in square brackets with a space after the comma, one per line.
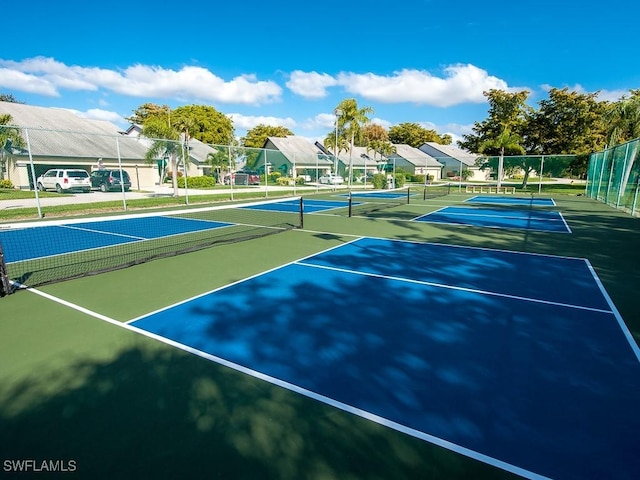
[156, 191]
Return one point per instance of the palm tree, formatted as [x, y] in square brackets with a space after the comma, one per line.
[506, 141]
[351, 120]
[165, 144]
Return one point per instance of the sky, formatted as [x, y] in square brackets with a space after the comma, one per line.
[290, 63]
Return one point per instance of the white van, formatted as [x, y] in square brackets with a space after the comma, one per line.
[64, 180]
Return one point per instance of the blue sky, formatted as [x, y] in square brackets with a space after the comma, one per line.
[290, 63]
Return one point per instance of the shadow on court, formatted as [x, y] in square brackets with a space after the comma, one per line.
[156, 412]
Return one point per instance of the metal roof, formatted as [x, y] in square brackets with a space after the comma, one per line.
[415, 156]
[57, 132]
[445, 152]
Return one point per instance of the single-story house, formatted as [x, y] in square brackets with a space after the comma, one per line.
[415, 161]
[455, 160]
[58, 138]
[293, 156]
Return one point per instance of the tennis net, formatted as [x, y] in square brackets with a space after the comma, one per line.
[435, 190]
[364, 203]
[51, 251]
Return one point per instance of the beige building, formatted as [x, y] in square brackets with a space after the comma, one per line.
[58, 138]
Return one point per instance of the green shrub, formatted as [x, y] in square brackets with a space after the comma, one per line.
[204, 181]
[6, 184]
[400, 180]
[285, 181]
[274, 176]
[379, 181]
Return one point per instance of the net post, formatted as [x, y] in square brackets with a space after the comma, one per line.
[301, 213]
[408, 194]
[5, 285]
[350, 203]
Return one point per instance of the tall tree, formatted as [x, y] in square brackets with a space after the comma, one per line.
[504, 142]
[415, 135]
[147, 110]
[376, 139]
[8, 97]
[623, 119]
[256, 137]
[507, 111]
[204, 123]
[567, 122]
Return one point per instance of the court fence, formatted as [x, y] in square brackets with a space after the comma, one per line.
[614, 176]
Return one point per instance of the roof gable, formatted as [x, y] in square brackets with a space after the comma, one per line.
[414, 155]
[444, 153]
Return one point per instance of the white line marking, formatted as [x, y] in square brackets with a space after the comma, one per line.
[452, 287]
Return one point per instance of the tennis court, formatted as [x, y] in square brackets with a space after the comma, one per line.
[54, 239]
[541, 220]
[447, 375]
[359, 347]
[505, 200]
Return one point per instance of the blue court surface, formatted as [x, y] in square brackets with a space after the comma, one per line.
[46, 241]
[541, 220]
[518, 360]
[501, 200]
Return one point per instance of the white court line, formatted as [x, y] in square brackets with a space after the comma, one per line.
[452, 287]
[92, 230]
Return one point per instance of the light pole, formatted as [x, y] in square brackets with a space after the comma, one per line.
[338, 113]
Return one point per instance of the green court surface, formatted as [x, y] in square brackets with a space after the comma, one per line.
[78, 386]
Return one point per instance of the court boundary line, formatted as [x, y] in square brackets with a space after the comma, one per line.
[415, 219]
[462, 214]
[621, 323]
[91, 230]
[553, 202]
[475, 247]
[453, 287]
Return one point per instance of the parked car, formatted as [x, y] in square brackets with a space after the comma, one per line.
[64, 180]
[242, 177]
[331, 179]
[107, 180]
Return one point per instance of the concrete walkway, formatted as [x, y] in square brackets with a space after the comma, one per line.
[158, 191]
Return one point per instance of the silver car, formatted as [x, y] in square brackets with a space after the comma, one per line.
[331, 179]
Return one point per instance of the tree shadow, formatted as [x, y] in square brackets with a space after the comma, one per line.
[157, 412]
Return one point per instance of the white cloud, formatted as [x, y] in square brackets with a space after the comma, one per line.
[15, 80]
[47, 76]
[247, 122]
[99, 114]
[461, 84]
[612, 95]
[310, 84]
[383, 123]
[603, 95]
